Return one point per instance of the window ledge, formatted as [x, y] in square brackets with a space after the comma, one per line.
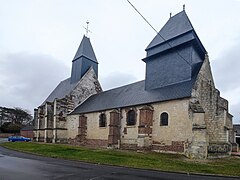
[130, 126]
[105, 127]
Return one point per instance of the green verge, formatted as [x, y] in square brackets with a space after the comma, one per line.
[157, 161]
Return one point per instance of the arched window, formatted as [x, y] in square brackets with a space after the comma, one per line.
[164, 119]
[102, 120]
[131, 118]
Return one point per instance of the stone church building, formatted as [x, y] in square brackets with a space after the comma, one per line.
[177, 108]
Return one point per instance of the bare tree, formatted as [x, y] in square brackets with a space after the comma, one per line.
[14, 117]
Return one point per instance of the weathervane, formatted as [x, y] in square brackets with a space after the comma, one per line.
[87, 30]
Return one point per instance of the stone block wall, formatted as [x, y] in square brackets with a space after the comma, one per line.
[94, 130]
[89, 132]
[41, 120]
[49, 115]
[52, 116]
[72, 126]
[197, 147]
[87, 86]
[129, 134]
[175, 146]
[214, 106]
[145, 134]
[216, 150]
[179, 126]
[61, 111]
[41, 135]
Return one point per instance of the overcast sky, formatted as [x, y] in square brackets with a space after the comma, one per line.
[38, 40]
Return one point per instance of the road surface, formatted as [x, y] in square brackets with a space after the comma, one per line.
[22, 166]
[3, 140]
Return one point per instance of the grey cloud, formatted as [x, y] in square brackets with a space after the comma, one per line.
[226, 69]
[116, 79]
[236, 112]
[227, 78]
[27, 79]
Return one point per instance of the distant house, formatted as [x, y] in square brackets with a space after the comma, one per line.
[236, 128]
[27, 131]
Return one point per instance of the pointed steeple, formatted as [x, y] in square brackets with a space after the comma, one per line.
[85, 49]
[83, 60]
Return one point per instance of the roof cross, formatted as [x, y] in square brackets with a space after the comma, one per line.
[87, 30]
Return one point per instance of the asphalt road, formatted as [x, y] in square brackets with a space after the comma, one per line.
[16, 165]
[3, 140]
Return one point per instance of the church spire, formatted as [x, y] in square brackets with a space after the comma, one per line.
[83, 60]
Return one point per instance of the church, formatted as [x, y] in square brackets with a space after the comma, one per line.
[176, 108]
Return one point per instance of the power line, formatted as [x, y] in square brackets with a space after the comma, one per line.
[158, 32]
[144, 18]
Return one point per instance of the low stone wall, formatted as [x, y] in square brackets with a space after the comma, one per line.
[61, 141]
[97, 142]
[176, 146]
[40, 139]
[126, 146]
[5, 135]
[235, 147]
[217, 150]
[28, 134]
[89, 142]
[48, 140]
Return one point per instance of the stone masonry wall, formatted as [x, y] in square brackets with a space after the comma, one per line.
[208, 96]
[179, 125]
[174, 137]
[41, 112]
[92, 135]
[87, 86]
[57, 117]
[215, 107]
[72, 126]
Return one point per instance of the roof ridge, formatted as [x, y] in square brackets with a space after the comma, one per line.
[122, 86]
[134, 96]
[56, 89]
[170, 30]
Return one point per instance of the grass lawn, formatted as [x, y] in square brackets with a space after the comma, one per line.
[150, 160]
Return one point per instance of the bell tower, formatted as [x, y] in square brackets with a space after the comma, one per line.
[173, 53]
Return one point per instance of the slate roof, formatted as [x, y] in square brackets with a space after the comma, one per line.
[63, 89]
[135, 94]
[175, 26]
[85, 49]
